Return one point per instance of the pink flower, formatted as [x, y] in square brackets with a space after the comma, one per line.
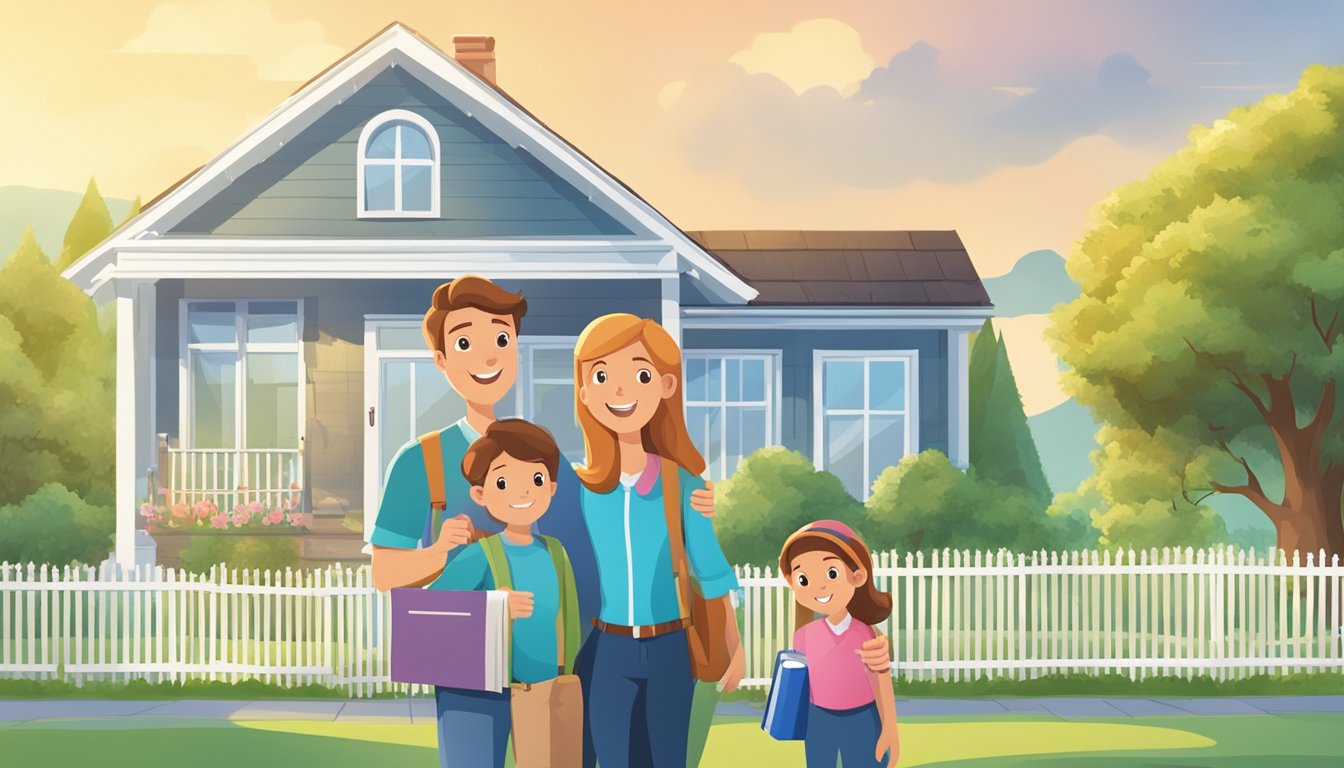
[256, 508]
[295, 485]
[240, 509]
[202, 509]
[146, 510]
[298, 519]
[164, 491]
[219, 521]
[241, 519]
[180, 509]
[276, 517]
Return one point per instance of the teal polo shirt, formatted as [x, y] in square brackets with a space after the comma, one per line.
[405, 520]
[535, 654]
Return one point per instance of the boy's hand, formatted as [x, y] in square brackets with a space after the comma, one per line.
[454, 532]
[702, 499]
[888, 741]
[876, 655]
[520, 604]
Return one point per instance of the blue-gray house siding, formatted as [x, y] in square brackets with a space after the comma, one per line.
[488, 188]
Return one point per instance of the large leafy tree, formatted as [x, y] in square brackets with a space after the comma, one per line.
[1002, 448]
[1210, 313]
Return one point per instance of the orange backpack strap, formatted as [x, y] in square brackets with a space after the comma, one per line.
[432, 451]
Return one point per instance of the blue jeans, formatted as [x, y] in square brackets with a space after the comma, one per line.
[640, 692]
[473, 727]
[848, 734]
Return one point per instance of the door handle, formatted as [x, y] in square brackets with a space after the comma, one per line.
[370, 416]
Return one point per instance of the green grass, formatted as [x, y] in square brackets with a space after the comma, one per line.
[1292, 741]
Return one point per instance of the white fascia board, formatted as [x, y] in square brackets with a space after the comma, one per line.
[836, 318]
[399, 47]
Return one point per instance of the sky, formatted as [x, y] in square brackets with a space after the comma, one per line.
[1006, 121]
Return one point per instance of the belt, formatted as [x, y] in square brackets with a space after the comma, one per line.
[641, 632]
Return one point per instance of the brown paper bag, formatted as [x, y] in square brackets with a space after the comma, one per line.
[548, 723]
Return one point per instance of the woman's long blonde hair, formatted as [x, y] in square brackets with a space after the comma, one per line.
[665, 434]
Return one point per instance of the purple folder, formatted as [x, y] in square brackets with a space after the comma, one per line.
[450, 638]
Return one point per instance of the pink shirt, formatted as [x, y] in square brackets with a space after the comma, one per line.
[835, 672]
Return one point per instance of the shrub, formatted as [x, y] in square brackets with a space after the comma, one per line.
[54, 525]
[773, 493]
[926, 503]
[266, 553]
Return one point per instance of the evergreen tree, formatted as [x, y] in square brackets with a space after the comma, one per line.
[133, 212]
[1002, 449]
[91, 224]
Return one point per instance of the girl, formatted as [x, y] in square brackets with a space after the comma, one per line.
[627, 383]
[853, 709]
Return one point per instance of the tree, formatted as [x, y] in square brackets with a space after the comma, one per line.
[1210, 313]
[926, 503]
[57, 383]
[91, 225]
[1002, 448]
[773, 493]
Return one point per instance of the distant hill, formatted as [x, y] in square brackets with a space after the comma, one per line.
[1065, 436]
[49, 211]
[1036, 283]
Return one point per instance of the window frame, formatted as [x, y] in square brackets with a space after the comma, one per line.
[774, 393]
[240, 347]
[819, 411]
[526, 365]
[397, 162]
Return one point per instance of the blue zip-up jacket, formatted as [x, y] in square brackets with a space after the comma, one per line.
[628, 528]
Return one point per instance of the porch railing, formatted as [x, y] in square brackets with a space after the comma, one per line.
[231, 476]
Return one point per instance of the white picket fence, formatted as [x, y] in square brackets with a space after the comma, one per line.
[956, 615]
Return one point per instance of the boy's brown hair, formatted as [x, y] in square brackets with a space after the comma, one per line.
[519, 438]
[470, 291]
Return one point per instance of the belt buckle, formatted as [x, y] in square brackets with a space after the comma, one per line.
[634, 631]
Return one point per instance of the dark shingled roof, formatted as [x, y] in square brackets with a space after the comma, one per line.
[928, 268]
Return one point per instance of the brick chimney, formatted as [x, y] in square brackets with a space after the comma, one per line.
[476, 53]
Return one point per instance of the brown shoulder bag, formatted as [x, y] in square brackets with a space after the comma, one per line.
[707, 620]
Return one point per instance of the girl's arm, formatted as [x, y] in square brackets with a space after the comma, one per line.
[737, 664]
[887, 740]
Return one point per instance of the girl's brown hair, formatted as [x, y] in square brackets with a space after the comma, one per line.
[869, 605]
[665, 435]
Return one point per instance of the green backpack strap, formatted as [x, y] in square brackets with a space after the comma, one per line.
[498, 563]
[569, 600]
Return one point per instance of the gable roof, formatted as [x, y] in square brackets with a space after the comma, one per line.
[887, 268]
[399, 46]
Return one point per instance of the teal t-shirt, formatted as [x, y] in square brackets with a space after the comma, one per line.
[535, 652]
[405, 520]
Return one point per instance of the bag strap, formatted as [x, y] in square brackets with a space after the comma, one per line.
[431, 449]
[567, 619]
[676, 537]
[498, 563]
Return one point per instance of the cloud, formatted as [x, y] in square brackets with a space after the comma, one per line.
[282, 50]
[815, 53]
[668, 94]
[912, 119]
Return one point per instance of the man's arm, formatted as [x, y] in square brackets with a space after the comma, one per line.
[393, 567]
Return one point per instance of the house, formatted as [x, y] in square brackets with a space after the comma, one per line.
[268, 305]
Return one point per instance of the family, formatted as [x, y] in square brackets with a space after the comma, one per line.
[625, 539]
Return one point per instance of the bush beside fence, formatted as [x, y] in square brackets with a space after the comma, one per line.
[957, 616]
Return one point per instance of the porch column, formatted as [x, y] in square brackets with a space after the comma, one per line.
[134, 433]
[671, 306]
[959, 396]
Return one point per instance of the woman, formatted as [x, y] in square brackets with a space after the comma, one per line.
[627, 382]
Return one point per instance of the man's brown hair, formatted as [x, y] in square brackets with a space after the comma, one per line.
[470, 291]
[519, 438]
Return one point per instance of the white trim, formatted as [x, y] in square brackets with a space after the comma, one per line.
[822, 318]
[670, 306]
[241, 347]
[774, 389]
[397, 162]
[128, 381]
[911, 413]
[958, 407]
[398, 46]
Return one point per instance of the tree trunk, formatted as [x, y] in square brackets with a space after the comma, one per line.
[1312, 523]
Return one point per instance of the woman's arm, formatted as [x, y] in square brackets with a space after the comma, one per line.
[737, 663]
[887, 740]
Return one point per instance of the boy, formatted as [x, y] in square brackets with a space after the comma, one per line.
[511, 471]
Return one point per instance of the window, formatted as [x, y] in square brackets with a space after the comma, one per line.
[730, 406]
[546, 386]
[866, 414]
[242, 366]
[398, 167]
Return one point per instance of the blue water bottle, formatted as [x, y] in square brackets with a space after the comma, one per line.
[786, 709]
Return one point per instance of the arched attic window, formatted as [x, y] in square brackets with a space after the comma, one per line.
[398, 174]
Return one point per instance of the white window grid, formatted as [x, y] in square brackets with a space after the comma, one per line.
[239, 347]
[769, 401]
[398, 163]
[910, 358]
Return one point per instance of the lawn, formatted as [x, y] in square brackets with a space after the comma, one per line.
[1218, 742]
